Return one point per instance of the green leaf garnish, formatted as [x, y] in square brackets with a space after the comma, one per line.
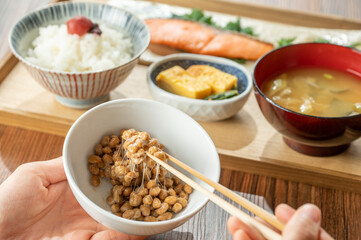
[234, 26]
[239, 60]
[354, 45]
[199, 16]
[196, 15]
[221, 96]
[321, 40]
[249, 31]
[285, 41]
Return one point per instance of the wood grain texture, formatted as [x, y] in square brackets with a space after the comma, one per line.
[346, 9]
[231, 209]
[245, 141]
[18, 146]
[11, 11]
[268, 13]
[7, 63]
[340, 210]
[266, 216]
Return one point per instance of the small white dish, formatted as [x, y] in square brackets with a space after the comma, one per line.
[199, 109]
[173, 128]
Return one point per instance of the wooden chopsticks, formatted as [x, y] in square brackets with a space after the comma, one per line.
[265, 231]
[250, 206]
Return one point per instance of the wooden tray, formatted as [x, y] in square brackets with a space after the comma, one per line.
[245, 142]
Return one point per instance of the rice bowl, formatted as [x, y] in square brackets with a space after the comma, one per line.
[73, 88]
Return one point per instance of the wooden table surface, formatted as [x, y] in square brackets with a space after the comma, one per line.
[340, 210]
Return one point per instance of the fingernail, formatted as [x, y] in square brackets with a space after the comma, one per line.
[311, 212]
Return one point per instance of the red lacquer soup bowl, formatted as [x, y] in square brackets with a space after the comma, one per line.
[311, 135]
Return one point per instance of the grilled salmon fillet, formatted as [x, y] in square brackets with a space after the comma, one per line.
[233, 45]
[180, 34]
[197, 38]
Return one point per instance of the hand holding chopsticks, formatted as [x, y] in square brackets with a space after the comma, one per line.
[265, 231]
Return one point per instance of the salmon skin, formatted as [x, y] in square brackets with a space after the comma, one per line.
[197, 38]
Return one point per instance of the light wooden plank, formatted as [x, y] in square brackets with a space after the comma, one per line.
[7, 63]
[35, 122]
[348, 9]
[245, 142]
[268, 13]
[342, 182]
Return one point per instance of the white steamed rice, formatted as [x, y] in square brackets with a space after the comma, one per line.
[57, 50]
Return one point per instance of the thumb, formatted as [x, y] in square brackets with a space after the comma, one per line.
[305, 224]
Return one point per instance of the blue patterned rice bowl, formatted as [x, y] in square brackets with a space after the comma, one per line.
[79, 89]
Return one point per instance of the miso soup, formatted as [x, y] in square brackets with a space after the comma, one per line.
[316, 91]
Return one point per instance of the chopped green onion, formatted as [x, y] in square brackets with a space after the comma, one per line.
[328, 76]
[357, 107]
